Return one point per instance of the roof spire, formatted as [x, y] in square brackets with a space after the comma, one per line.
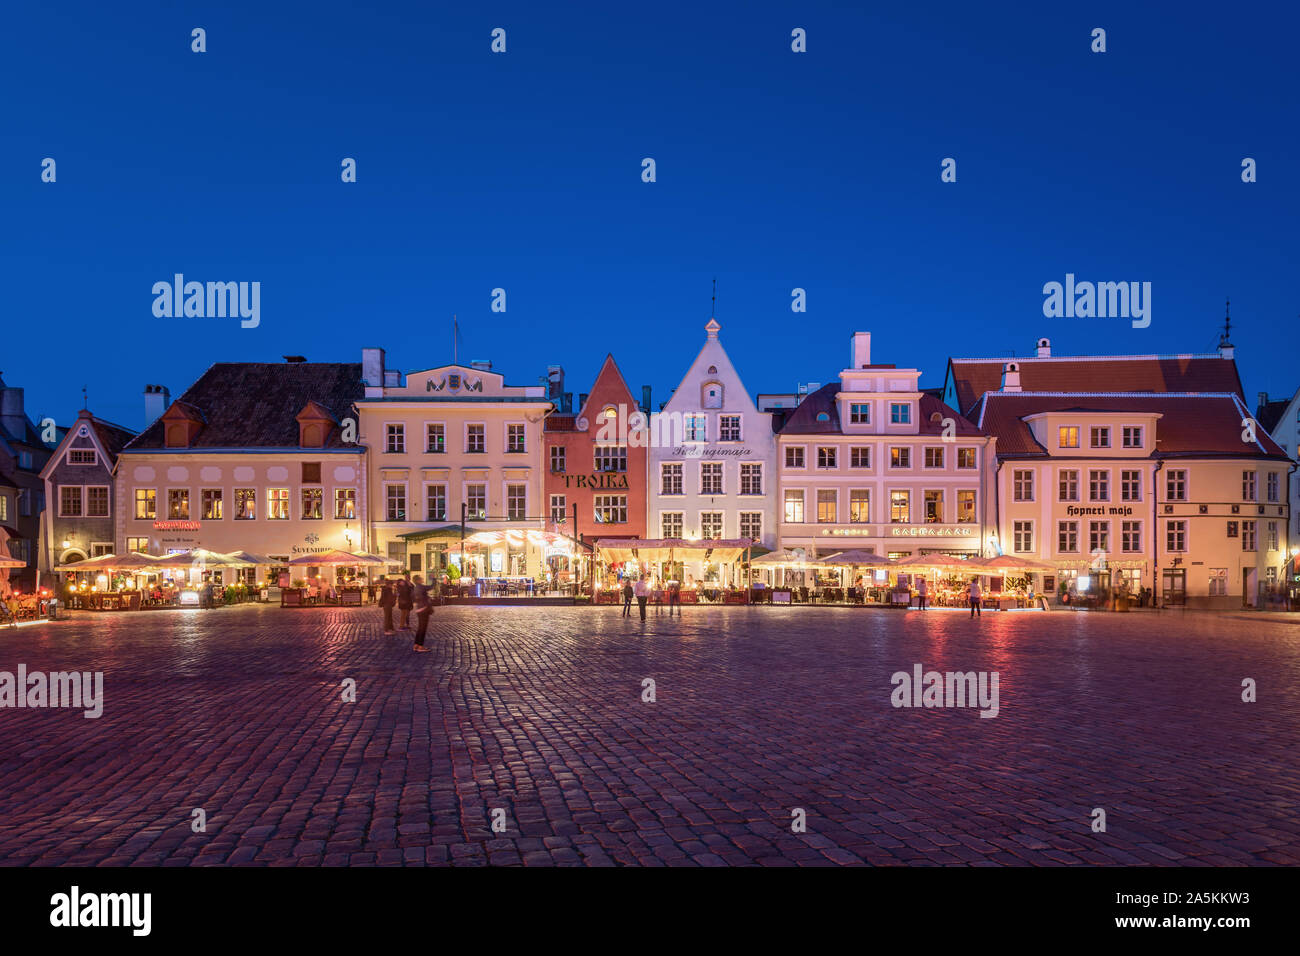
[1227, 322]
[713, 308]
[85, 401]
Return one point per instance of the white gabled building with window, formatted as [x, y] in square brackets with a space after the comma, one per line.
[711, 458]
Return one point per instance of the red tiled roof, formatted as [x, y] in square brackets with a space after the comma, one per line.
[1095, 373]
[561, 423]
[1190, 425]
[803, 420]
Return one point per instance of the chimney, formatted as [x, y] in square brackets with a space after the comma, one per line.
[156, 401]
[295, 359]
[1044, 348]
[582, 400]
[566, 405]
[1263, 400]
[861, 350]
[372, 367]
[13, 418]
[554, 382]
[483, 365]
[645, 399]
[1011, 377]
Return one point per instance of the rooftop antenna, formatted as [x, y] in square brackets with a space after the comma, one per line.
[455, 338]
[1227, 322]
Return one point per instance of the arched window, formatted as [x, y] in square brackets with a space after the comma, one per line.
[711, 395]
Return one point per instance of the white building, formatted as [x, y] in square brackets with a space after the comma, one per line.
[712, 458]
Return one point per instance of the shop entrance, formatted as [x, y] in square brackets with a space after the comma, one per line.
[1173, 586]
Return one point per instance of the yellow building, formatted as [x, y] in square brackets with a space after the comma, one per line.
[1124, 491]
[252, 457]
[449, 442]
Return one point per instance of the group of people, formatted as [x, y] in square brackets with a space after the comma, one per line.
[407, 594]
[974, 594]
[641, 590]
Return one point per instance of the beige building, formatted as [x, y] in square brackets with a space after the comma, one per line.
[257, 457]
[451, 441]
[870, 461]
[1166, 491]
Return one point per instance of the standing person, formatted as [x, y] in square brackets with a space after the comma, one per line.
[404, 602]
[423, 610]
[674, 597]
[642, 590]
[627, 597]
[975, 596]
[921, 587]
[387, 598]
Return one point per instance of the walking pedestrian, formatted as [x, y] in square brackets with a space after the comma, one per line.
[627, 597]
[674, 597]
[387, 598]
[404, 603]
[975, 596]
[921, 587]
[423, 610]
[642, 590]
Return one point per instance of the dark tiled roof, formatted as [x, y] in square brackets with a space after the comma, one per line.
[561, 423]
[255, 404]
[1190, 425]
[804, 421]
[1102, 373]
[112, 437]
[1270, 413]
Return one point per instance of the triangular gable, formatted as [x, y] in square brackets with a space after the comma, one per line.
[608, 369]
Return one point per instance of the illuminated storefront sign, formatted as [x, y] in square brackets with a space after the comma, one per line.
[905, 531]
[176, 526]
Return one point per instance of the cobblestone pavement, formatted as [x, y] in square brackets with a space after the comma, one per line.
[539, 713]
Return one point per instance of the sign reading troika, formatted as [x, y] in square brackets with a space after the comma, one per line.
[596, 481]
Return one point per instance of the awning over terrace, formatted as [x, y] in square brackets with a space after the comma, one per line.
[655, 550]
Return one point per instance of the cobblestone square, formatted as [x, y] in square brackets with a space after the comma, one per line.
[539, 713]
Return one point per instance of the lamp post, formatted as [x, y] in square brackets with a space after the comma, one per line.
[462, 542]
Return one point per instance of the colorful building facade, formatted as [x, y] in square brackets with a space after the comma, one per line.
[258, 457]
[596, 462]
[456, 441]
[712, 459]
[872, 462]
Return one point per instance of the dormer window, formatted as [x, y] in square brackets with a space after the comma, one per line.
[314, 425]
[181, 425]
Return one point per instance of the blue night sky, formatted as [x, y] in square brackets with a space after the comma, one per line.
[775, 170]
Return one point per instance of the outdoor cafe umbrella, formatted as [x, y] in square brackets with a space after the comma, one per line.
[101, 563]
[367, 559]
[329, 556]
[246, 559]
[195, 556]
[857, 558]
[939, 562]
[1008, 562]
[11, 562]
[785, 559]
